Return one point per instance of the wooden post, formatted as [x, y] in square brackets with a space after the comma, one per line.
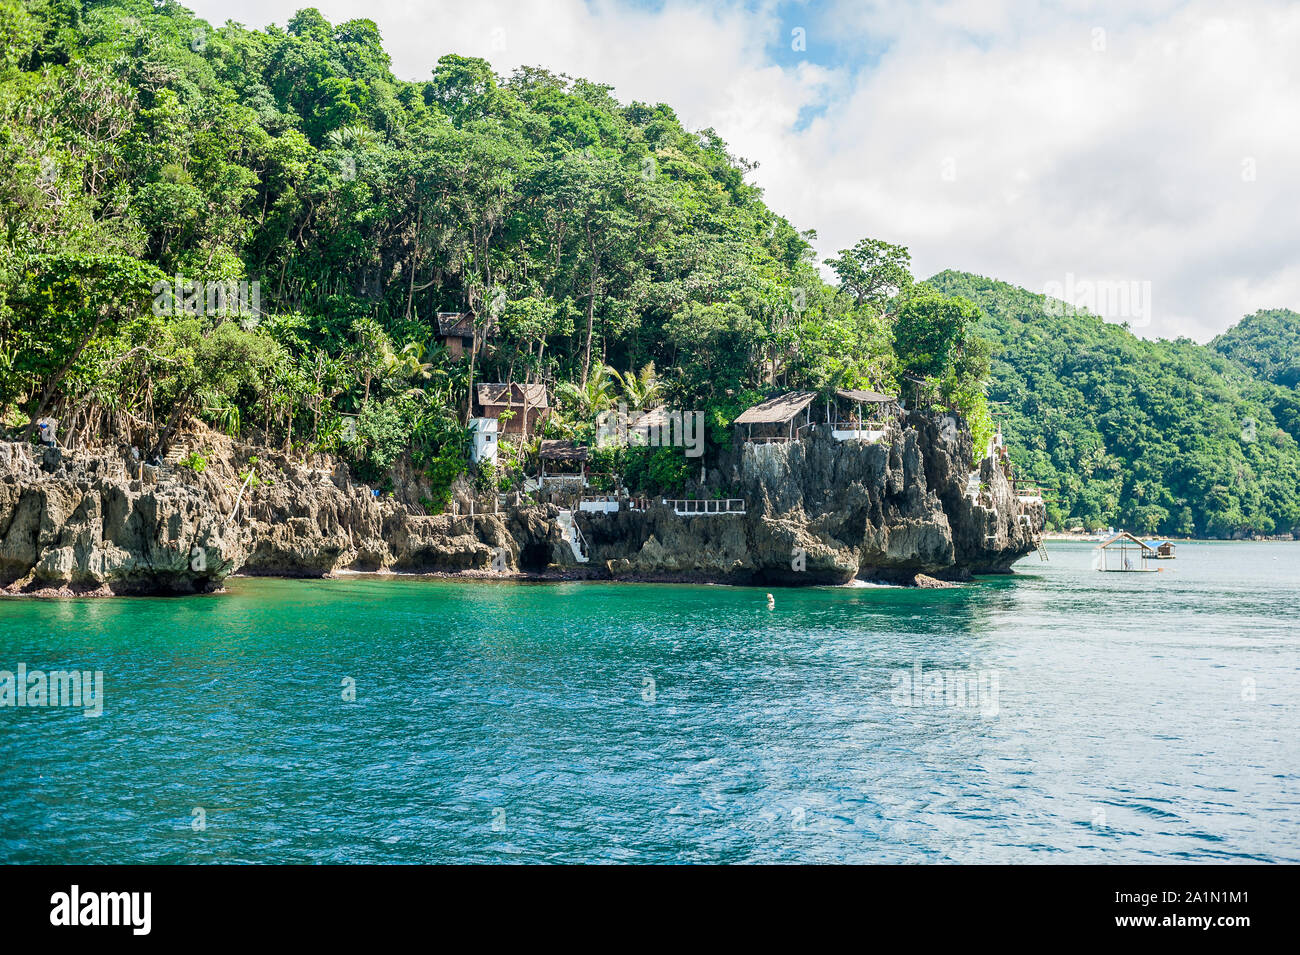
[525, 396]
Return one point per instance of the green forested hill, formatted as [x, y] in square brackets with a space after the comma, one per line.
[1166, 437]
[1267, 342]
[602, 248]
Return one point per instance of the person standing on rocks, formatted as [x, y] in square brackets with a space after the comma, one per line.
[48, 428]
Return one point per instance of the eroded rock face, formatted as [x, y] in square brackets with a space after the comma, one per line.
[74, 524]
[817, 511]
[93, 529]
[825, 511]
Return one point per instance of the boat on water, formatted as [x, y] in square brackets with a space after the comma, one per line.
[1124, 553]
[1098, 537]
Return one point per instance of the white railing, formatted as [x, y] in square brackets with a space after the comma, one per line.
[690, 508]
[1029, 494]
[599, 504]
[859, 425]
[871, 431]
[584, 549]
[234, 515]
[869, 436]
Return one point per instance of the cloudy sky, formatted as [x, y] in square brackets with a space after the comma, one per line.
[1056, 145]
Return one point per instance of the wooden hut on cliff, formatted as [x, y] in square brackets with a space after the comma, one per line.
[859, 414]
[456, 331]
[528, 406]
[773, 421]
[563, 463]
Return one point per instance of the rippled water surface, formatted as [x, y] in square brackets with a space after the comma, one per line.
[1110, 718]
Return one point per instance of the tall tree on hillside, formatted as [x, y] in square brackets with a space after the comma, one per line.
[873, 271]
[474, 173]
[68, 300]
[931, 331]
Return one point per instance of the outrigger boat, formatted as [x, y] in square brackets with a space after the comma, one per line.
[1132, 552]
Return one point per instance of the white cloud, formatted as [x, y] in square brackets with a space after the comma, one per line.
[1119, 154]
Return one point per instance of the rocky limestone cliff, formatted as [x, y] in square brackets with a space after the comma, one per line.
[816, 511]
[87, 527]
[825, 511]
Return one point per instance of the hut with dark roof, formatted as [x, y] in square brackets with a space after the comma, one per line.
[565, 460]
[456, 332]
[528, 406]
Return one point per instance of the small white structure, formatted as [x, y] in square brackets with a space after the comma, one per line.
[599, 504]
[997, 445]
[849, 433]
[484, 431]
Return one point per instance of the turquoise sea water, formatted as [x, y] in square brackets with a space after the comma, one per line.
[1137, 717]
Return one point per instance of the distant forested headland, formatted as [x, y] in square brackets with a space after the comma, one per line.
[1162, 437]
[265, 231]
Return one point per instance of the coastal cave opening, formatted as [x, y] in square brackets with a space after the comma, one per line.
[535, 557]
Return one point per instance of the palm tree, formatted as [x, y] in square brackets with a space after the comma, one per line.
[404, 366]
[558, 423]
[640, 389]
[595, 396]
[356, 137]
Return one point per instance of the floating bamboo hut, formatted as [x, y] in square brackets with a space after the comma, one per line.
[1125, 553]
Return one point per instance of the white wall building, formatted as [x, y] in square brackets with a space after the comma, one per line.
[484, 431]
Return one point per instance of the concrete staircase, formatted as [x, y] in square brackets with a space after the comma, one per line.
[573, 536]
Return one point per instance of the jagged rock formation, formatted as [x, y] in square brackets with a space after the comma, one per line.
[817, 511]
[88, 527]
[82, 524]
[824, 511]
